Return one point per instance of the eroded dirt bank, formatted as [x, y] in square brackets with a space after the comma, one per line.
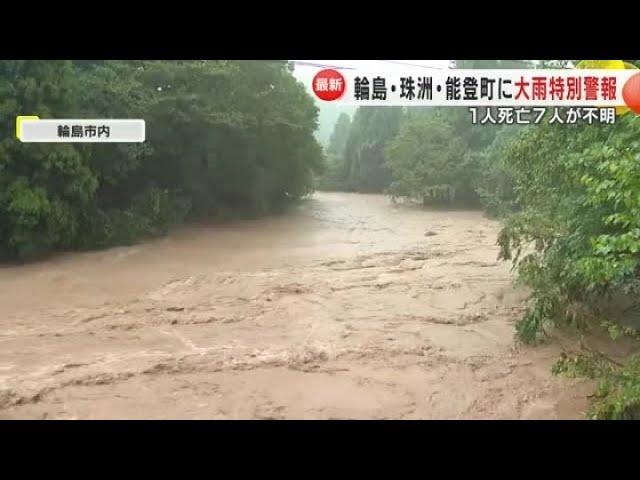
[347, 307]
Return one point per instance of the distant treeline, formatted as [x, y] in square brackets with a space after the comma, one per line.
[432, 155]
[224, 138]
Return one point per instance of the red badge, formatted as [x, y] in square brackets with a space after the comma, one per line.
[631, 93]
[329, 85]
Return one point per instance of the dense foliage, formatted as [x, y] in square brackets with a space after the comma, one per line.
[357, 156]
[575, 241]
[223, 138]
[440, 157]
[334, 177]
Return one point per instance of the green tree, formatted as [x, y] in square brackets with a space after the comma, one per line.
[223, 138]
[43, 188]
[338, 139]
[334, 177]
[426, 161]
[365, 155]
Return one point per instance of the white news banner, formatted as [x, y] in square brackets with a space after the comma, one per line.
[105, 130]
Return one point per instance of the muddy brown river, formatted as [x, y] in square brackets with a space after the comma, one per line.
[346, 307]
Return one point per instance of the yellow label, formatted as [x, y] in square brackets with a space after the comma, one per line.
[19, 120]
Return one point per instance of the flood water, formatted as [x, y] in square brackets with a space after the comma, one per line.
[347, 306]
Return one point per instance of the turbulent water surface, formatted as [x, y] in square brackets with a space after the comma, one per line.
[345, 307]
